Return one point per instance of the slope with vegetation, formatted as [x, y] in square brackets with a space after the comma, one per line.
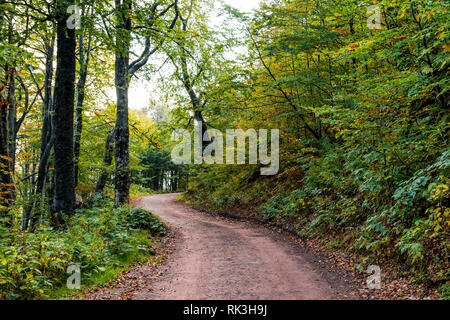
[364, 121]
[101, 240]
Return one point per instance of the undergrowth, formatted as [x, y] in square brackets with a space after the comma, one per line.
[101, 239]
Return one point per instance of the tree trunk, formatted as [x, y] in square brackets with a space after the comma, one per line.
[46, 144]
[48, 97]
[123, 72]
[64, 198]
[12, 118]
[122, 132]
[39, 191]
[84, 62]
[7, 129]
[107, 160]
[6, 189]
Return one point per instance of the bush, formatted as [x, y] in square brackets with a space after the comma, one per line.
[32, 265]
[141, 219]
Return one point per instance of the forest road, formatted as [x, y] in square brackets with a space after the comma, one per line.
[221, 259]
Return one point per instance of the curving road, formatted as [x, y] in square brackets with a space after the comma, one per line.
[219, 259]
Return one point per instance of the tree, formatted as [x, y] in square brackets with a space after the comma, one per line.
[124, 71]
[12, 85]
[64, 97]
[195, 55]
[84, 55]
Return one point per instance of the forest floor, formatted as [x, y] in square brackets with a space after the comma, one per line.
[210, 257]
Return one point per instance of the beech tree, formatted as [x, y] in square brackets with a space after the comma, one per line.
[64, 97]
[85, 47]
[152, 23]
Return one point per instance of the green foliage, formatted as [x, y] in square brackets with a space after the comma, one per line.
[33, 265]
[137, 190]
[363, 116]
[142, 219]
[158, 172]
[445, 292]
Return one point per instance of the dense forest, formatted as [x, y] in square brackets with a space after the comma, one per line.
[358, 90]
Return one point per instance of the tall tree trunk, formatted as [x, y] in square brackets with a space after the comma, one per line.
[123, 72]
[188, 82]
[48, 98]
[64, 95]
[107, 160]
[80, 94]
[122, 179]
[39, 191]
[12, 133]
[7, 126]
[12, 118]
[6, 185]
[46, 143]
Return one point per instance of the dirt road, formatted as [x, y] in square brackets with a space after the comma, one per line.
[214, 258]
[220, 259]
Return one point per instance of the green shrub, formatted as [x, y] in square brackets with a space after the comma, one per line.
[141, 219]
[32, 265]
[445, 292]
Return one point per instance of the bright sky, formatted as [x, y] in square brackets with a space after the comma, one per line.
[141, 90]
[243, 5]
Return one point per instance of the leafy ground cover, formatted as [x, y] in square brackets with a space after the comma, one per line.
[103, 240]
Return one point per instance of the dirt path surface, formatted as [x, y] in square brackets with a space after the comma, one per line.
[221, 259]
